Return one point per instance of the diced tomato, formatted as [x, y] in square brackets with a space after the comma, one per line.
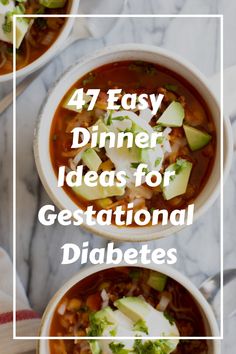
[94, 302]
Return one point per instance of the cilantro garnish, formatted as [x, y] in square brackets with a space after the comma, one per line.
[97, 326]
[171, 87]
[141, 326]
[161, 346]
[158, 161]
[89, 78]
[169, 317]
[118, 348]
[120, 118]
[4, 2]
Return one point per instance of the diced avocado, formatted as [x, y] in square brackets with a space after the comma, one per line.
[157, 281]
[122, 320]
[66, 105]
[94, 346]
[196, 138]
[173, 116]
[91, 159]
[143, 154]
[179, 182]
[53, 4]
[6, 24]
[101, 128]
[98, 192]
[22, 26]
[133, 307]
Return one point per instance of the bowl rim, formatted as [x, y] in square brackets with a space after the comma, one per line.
[50, 52]
[108, 231]
[171, 272]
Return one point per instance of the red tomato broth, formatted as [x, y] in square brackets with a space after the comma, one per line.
[149, 78]
[182, 308]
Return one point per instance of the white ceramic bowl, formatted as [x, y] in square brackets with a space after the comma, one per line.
[210, 323]
[109, 55]
[54, 48]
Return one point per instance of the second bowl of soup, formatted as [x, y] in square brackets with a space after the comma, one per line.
[188, 120]
[143, 304]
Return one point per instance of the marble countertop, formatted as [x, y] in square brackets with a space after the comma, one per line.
[38, 247]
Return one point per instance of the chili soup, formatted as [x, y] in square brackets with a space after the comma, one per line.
[128, 302]
[187, 146]
[33, 36]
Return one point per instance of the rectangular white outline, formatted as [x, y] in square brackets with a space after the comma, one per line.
[221, 17]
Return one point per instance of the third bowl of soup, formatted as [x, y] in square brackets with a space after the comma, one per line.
[143, 304]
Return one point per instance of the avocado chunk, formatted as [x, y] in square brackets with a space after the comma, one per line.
[73, 107]
[179, 182]
[196, 138]
[98, 192]
[143, 154]
[91, 159]
[101, 128]
[173, 116]
[7, 10]
[134, 307]
[94, 346]
[53, 4]
[22, 26]
[157, 281]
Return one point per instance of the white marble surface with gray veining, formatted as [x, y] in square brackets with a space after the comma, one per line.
[38, 247]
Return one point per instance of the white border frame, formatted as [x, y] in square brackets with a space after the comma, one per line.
[219, 16]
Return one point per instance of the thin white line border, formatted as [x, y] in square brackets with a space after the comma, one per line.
[219, 16]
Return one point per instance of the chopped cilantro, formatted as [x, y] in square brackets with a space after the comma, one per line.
[142, 67]
[97, 326]
[161, 346]
[113, 332]
[158, 128]
[171, 87]
[160, 139]
[141, 326]
[120, 118]
[89, 78]
[18, 10]
[109, 119]
[158, 161]
[134, 164]
[4, 2]
[118, 348]
[7, 26]
[179, 165]
[169, 317]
